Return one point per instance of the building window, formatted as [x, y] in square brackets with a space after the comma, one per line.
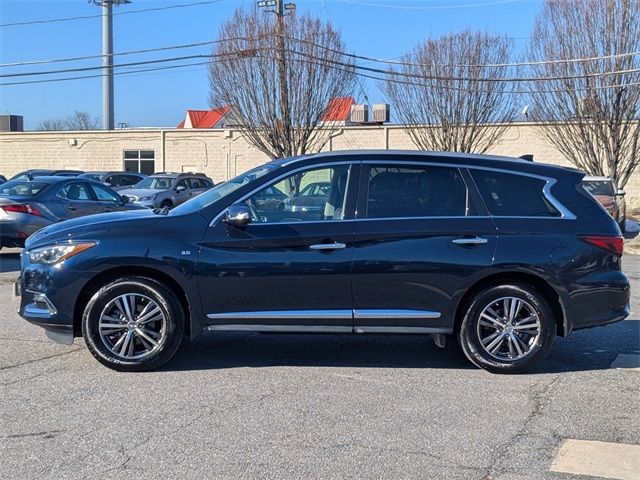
[140, 161]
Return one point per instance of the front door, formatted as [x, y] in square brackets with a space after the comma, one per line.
[290, 267]
[76, 199]
[420, 241]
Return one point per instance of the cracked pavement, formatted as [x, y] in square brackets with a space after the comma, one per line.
[307, 406]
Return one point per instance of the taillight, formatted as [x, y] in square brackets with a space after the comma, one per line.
[609, 243]
[22, 208]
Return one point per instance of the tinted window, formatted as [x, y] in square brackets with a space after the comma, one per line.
[182, 183]
[599, 187]
[196, 183]
[415, 192]
[128, 180]
[283, 201]
[511, 195]
[111, 180]
[21, 189]
[104, 195]
[75, 191]
[156, 183]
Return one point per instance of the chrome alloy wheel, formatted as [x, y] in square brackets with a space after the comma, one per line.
[508, 328]
[132, 326]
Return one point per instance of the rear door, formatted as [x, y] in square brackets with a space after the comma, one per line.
[421, 239]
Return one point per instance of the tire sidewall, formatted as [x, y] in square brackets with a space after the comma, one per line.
[167, 302]
[472, 346]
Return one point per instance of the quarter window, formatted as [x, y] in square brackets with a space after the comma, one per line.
[289, 200]
[398, 192]
[508, 195]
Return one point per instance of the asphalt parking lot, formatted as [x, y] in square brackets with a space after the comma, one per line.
[294, 406]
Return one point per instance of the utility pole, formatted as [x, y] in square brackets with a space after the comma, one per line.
[283, 86]
[107, 60]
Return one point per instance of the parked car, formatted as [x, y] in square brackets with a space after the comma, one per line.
[610, 197]
[35, 172]
[3, 179]
[503, 254]
[310, 200]
[26, 206]
[168, 190]
[116, 180]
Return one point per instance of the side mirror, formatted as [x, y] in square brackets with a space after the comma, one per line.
[106, 183]
[125, 199]
[621, 193]
[238, 215]
[180, 189]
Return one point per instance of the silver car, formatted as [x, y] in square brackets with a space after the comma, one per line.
[167, 190]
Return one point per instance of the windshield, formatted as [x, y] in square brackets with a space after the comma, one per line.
[223, 189]
[156, 183]
[599, 187]
[18, 188]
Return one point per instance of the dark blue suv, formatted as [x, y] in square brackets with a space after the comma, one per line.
[504, 254]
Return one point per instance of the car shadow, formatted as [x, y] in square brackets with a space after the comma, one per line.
[10, 260]
[585, 350]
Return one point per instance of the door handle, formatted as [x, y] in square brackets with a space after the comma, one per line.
[71, 207]
[327, 246]
[470, 241]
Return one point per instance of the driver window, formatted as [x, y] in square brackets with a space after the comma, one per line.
[312, 195]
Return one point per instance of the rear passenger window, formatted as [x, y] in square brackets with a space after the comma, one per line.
[416, 192]
[508, 195]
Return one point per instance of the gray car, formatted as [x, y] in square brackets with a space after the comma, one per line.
[26, 206]
[168, 190]
[116, 180]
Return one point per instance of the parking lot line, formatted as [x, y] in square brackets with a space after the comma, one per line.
[599, 459]
[629, 361]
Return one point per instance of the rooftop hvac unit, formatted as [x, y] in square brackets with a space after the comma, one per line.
[359, 114]
[381, 113]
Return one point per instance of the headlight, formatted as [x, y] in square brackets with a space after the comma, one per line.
[57, 253]
[147, 198]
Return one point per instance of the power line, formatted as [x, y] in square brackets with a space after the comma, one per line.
[132, 12]
[346, 54]
[429, 7]
[253, 51]
[324, 63]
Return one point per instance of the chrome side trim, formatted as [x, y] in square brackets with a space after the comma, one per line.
[385, 329]
[280, 314]
[469, 241]
[282, 328]
[327, 246]
[382, 313]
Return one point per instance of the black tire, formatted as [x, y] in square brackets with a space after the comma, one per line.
[171, 331]
[539, 345]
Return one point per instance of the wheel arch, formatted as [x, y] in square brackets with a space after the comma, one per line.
[548, 292]
[106, 276]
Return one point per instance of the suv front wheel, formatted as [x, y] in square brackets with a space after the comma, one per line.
[507, 328]
[133, 324]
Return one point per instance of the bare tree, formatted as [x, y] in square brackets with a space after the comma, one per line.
[77, 121]
[281, 114]
[448, 94]
[590, 114]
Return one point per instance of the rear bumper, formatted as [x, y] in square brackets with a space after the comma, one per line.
[600, 299]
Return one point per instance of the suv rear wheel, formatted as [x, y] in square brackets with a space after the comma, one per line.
[133, 324]
[507, 328]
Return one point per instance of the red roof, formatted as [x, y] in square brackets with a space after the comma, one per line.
[339, 109]
[205, 118]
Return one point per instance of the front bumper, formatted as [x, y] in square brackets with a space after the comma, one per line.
[47, 296]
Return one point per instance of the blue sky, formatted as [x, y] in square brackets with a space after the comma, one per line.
[382, 28]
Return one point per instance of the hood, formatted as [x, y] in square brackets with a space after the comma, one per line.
[85, 227]
[139, 192]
